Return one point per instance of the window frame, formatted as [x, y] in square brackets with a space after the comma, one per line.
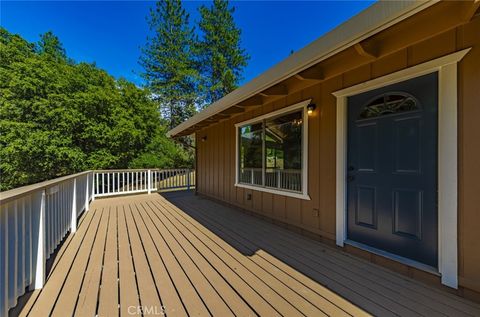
[300, 195]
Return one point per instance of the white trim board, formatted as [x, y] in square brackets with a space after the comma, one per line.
[304, 194]
[446, 67]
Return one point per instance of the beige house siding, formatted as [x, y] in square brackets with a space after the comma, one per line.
[216, 155]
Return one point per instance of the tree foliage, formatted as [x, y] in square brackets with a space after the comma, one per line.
[169, 63]
[58, 117]
[187, 69]
[221, 59]
[51, 46]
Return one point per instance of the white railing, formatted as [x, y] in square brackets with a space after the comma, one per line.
[35, 219]
[122, 182]
[115, 182]
[284, 179]
[251, 176]
[174, 179]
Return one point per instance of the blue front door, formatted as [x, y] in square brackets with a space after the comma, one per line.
[392, 169]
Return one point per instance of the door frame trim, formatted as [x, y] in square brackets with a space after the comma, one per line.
[446, 66]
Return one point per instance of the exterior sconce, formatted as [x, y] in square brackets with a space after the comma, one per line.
[204, 139]
[311, 108]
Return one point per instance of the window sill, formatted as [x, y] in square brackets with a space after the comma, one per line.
[303, 196]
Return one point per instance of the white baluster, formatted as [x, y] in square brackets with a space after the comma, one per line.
[38, 242]
[93, 185]
[149, 182]
[86, 194]
[98, 192]
[73, 224]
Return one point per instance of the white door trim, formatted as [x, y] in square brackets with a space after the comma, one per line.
[446, 66]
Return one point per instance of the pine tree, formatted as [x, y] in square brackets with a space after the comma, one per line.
[167, 58]
[51, 46]
[221, 60]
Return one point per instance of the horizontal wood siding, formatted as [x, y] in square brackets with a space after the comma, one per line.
[217, 155]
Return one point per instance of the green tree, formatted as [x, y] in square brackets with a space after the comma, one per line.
[168, 61]
[50, 45]
[221, 59]
[164, 152]
[58, 118]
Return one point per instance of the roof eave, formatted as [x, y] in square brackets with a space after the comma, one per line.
[374, 19]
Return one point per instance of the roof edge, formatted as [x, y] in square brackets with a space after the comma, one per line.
[368, 22]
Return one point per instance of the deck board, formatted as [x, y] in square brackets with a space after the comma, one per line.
[128, 289]
[45, 302]
[170, 298]
[357, 283]
[261, 273]
[66, 302]
[108, 292]
[185, 255]
[88, 297]
[221, 286]
[147, 290]
[399, 288]
[211, 298]
[311, 290]
[190, 298]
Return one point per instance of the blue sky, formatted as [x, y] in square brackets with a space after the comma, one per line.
[111, 33]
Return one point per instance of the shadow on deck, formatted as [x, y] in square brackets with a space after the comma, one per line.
[181, 254]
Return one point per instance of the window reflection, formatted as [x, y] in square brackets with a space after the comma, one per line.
[271, 152]
[251, 154]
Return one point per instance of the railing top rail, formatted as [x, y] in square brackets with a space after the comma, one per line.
[272, 168]
[140, 170]
[16, 193]
[124, 170]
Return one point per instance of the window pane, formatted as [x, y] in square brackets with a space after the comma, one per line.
[283, 152]
[389, 104]
[251, 154]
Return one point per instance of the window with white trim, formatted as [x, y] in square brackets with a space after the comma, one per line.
[271, 151]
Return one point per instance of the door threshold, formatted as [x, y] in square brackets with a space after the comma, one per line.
[394, 257]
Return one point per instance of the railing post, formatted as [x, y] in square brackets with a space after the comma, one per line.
[188, 179]
[13, 255]
[149, 182]
[38, 244]
[73, 224]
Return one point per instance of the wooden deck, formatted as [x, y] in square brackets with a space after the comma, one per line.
[180, 254]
